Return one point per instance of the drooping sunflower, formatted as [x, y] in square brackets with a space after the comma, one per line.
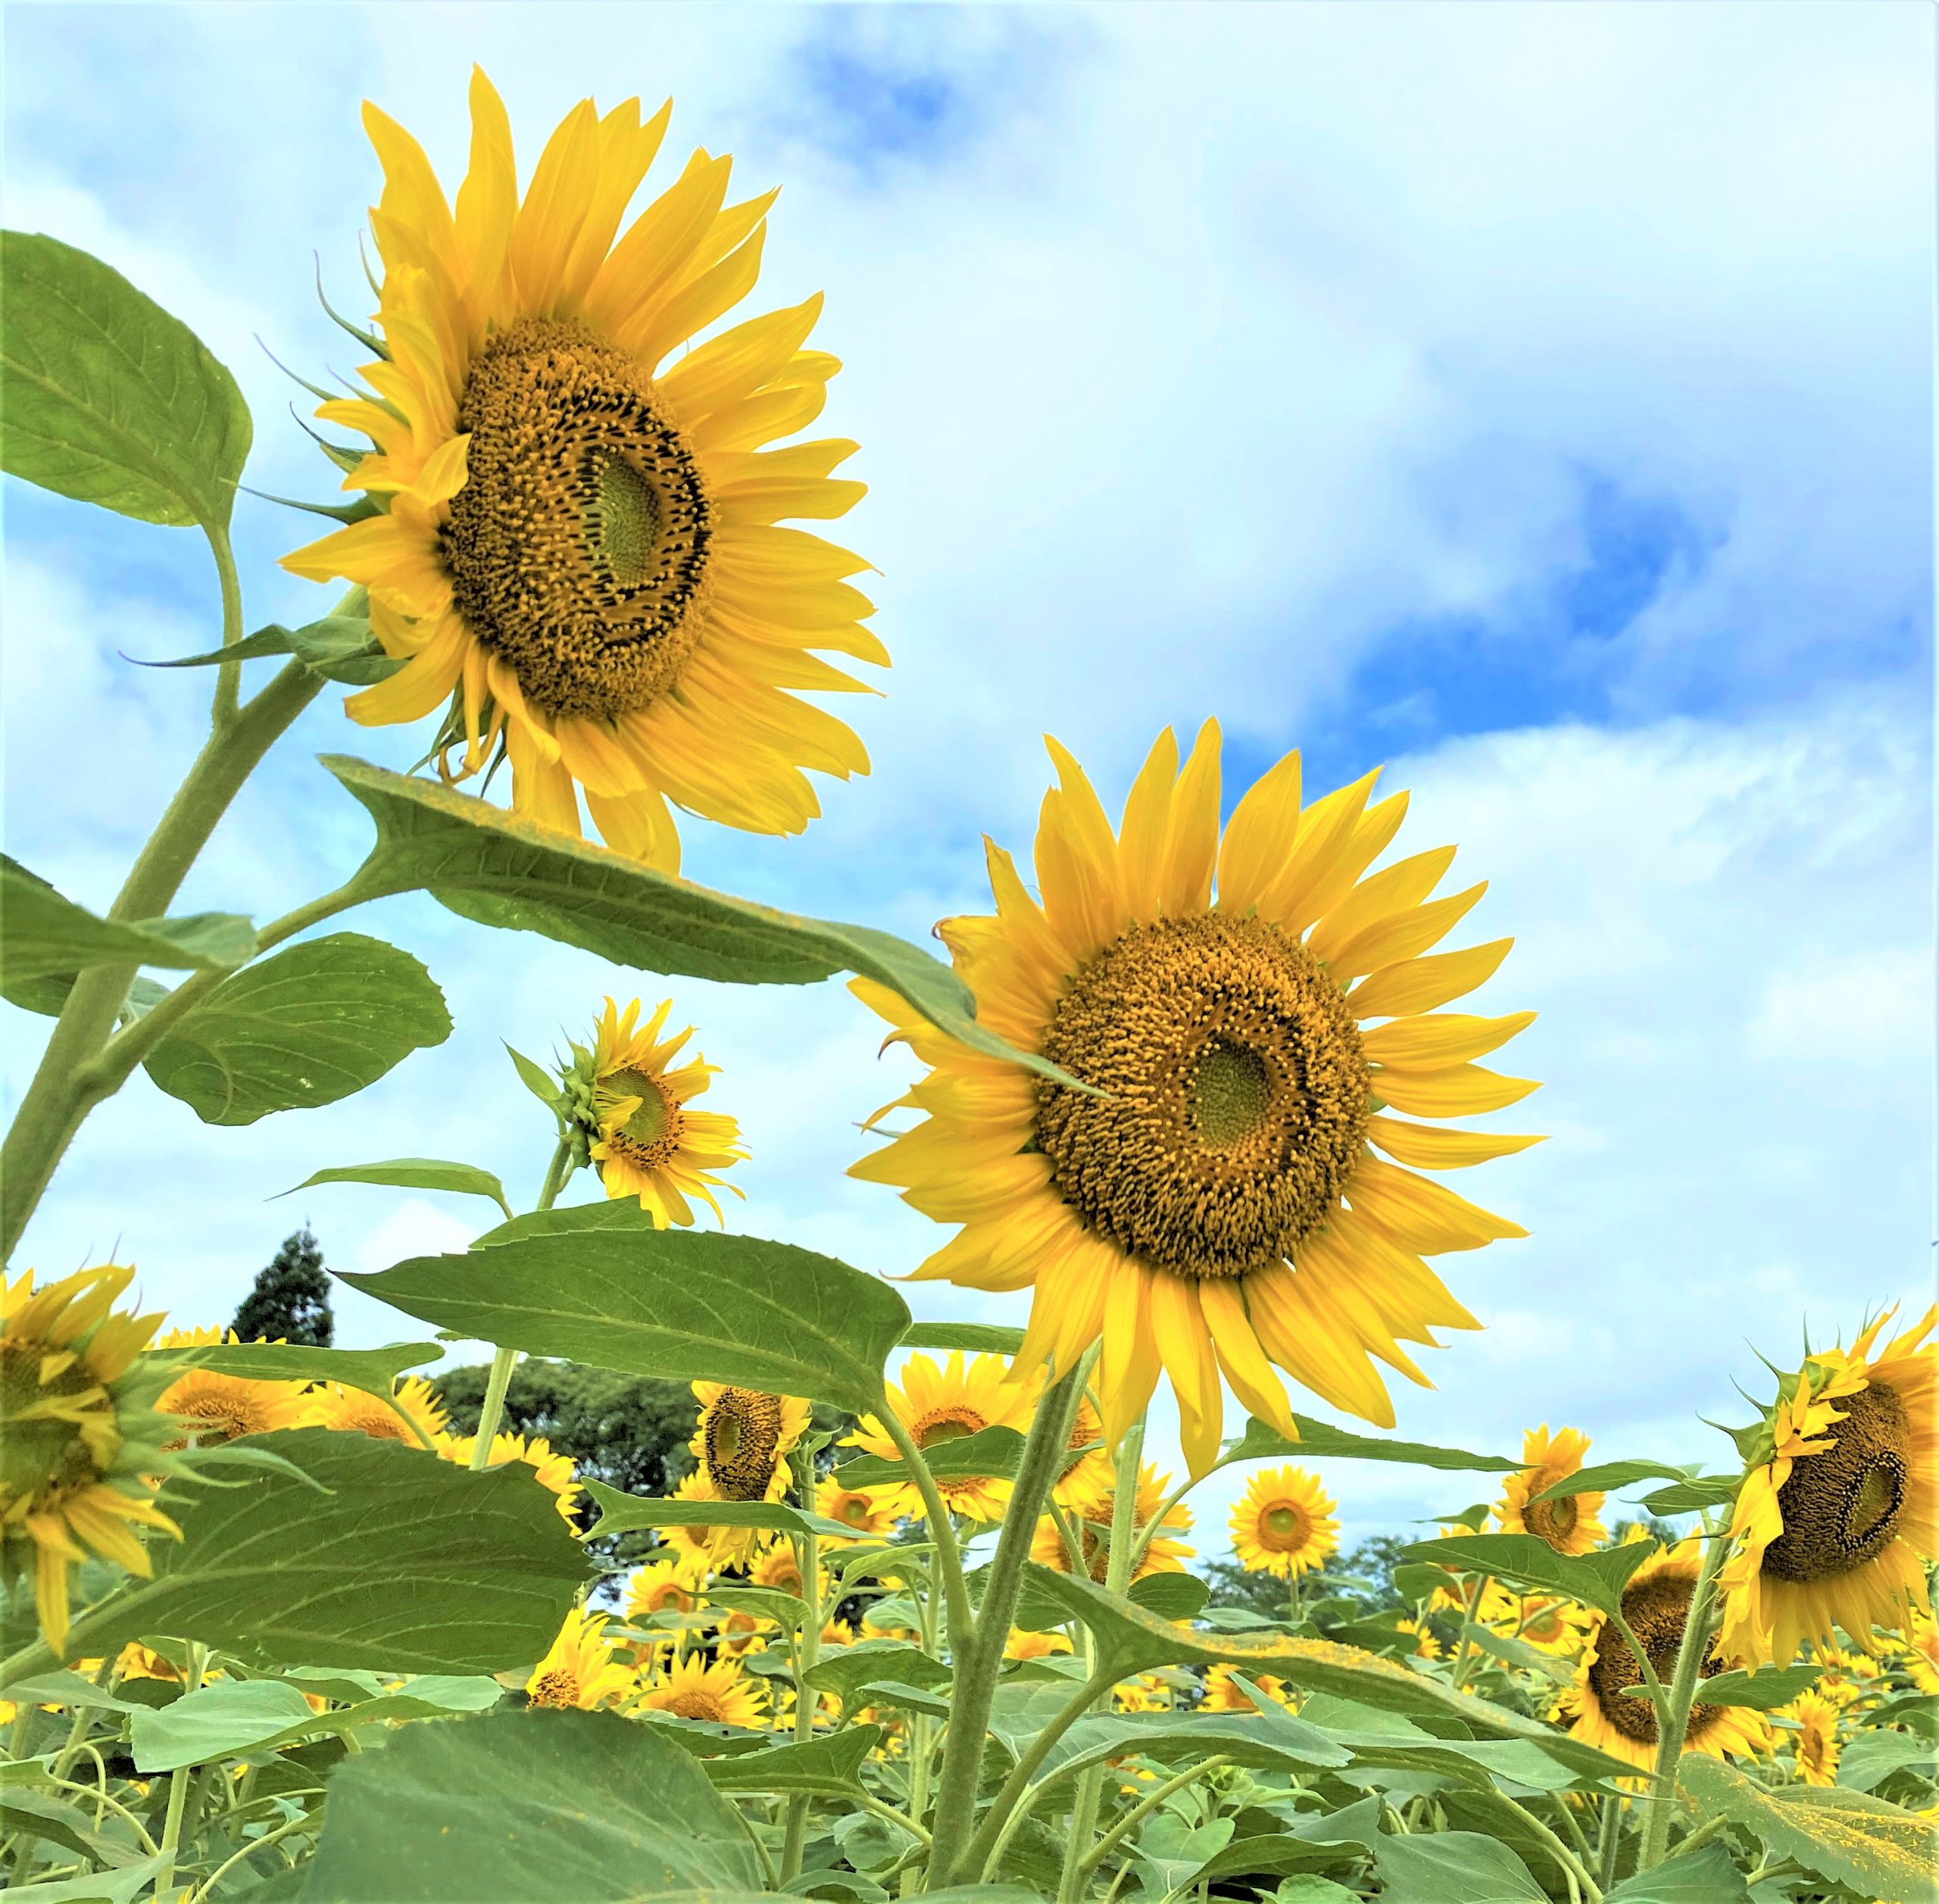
[644, 1138]
[1161, 1554]
[580, 1670]
[1223, 1693]
[414, 1415]
[1656, 1603]
[717, 1691]
[1283, 1524]
[866, 1512]
[576, 552]
[779, 1566]
[1216, 1207]
[944, 1403]
[1835, 1526]
[80, 1436]
[1570, 1523]
[1424, 1645]
[1814, 1745]
[555, 1470]
[744, 1438]
[215, 1408]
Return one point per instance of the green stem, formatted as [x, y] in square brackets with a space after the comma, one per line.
[807, 1650]
[229, 678]
[65, 1087]
[178, 1794]
[1572, 1867]
[1610, 1839]
[1467, 1651]
[1139, 1813]
[1675, 1723]
[974, 1687]
[206, 1889]
[959, 1622]
[492, 1409]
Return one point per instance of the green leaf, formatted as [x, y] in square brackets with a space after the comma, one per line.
[975, 1338]
[1696, 1496]
[990, 1451]
[1593, 1580]
[120, 1887]
[1280, 1743]
[339, 647]
[107, 399]
[1261, 1442]
[65, 1688]
[43, 1815]
[43, 935]
[532, 1807]
[500, 869]
[1874, 1755]
[847, 1671]
[833, 1765]
[679, 1304]
[620, 1513]
[410, 1564]
[373, 1371]
[1172, 1597]
[1881, 1850]
[1453, 1868]
[1765, 1690]
[1608, 1478]
[263, 644]
[214, 1721]
[1707, 1876]
[1517, 1653]
[413, 1173]
[536, 1078]
[310, 1025]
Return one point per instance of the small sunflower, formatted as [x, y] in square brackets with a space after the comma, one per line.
[1086, 1476]
[739, 1631]
[1426, 1646]
[719, 1692]
[414, 1415]
[1150, 1692]
[580, 1670]
[1568, 1524]
[949, 1404]
[644, 1138]
[1921, 1656]
[661, 1587]
[1656, 1603]
[555, 1470]
[744, 1438]
[138, 1662]
[1836, 1525]
[1223, 1693]
[1549, 1624]
[1162, 1555]
[1814, 1744]
[867, 1512]
[1215, 1207]
[215, 1408]
[79, 1434]
[1283, 1524]
[575, 550]
[779, 1566]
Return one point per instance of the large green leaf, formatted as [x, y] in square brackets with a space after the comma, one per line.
[990, 1451]
[1453, 1868]
[833, 1765]
[313, 1024]
[1594, 1579]
[1261, 1443]
[977, 1338]
[107, 399]
[339, 647]
[413, 1173]
[679, 1304]
[848, 1671]
[44, 936]
[1696, 1497]
[622, 1513]
[536, 1807]
[1765, 1690]
[503, 869]
[1881, 1850]
[1707, 1876]
[1608, 1478]
[408, 1564]
[1280, 1743]
[374, 1370]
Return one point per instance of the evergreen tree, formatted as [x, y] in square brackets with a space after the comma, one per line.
[291, 1301]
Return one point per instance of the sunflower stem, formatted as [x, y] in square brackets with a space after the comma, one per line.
[977, 1668]
[1123, 1827]
[228, 676]
[1674, 1725]
[178, 1794]
[1467, 1651]
[807, 1648]
[959, 1622]
[1609, 1843]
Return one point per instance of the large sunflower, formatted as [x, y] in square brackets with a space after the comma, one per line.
[948, 1403]
[1283, 1524]
[1216, 1205]
[574, 551]
[744, 1437]
[80, 1433]
[1570, 1523]
[1656, 1603]
[1836, 1525]
[645, 1137]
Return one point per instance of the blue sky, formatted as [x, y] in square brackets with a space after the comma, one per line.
[1536, 399]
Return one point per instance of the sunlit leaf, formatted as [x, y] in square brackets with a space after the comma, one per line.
[1526, 1560]
[1765, 1690]
[831, 1765]
[990, 1451]
[1260, 1442]
[623, 1513]
[374, 1370]
[975, 1338]
[413, 1173]
[43, 935]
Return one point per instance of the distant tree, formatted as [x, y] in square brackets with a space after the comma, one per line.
[291, 1301]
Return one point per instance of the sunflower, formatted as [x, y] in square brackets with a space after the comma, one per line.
[743, 1440]
[1150, 1692]
[580, 1669]
[1223, 1693]
[1847, 1678]
[1162, 1555]
[779, 1566]
[1568, 1525]
[949, 1404]
[865, 1510]
[1835, 1527]
[1426, 1646]
[719, 1692]
[1283, 1523]
[699, 1545]
[1921, 1654]
[574, 551]
[555, 1470]
[1085, 1476]
[1656, 1603]
[739, 1631]
[414, 1415]
[214, 1408]
[1549, 1624]
[1023, 1644]
[80, 1436]
[1213, 1205]
[1814, 1744]
[660, 1586]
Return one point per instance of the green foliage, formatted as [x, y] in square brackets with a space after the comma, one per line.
[1261, 1442]
[290, 1299]
[107, 398]
[374, 1370]
[1453, 1868]
[1706, 1876]
[413, 1173]
[339, 647]
[312, 1024]
[1526, 1560]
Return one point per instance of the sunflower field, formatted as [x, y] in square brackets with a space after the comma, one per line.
[922, 1620]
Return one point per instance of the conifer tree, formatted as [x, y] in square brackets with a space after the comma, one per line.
[290, 1302]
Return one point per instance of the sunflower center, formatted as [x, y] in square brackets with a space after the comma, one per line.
[1238, 1094]
[557, 1687]
[740, 1432]
[1656, 1610]
[578, 548]
[44, 1452]
[1283, 1527]
[651, 1134]
[1841, 1508]
[694, 1703]
[853, 1510]
[1553, 1521]
[948, 1424]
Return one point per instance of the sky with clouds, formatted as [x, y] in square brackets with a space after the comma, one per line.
[1535, 399]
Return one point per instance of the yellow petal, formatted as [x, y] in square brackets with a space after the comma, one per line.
[1421, 984]
[1147, 813]
[1239, 1356]
[1421, 1043]
[1191, 841]
[1423, 1216]
[1392, 890]
[1429, 1147]
[1260, 835]
[1391, 940]
[1459, 1091]
[1326, 837]
[1184, 1345]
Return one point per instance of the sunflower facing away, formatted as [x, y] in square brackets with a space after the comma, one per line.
[948, 1403]
[580, 1669]
[719, 1692]
[79, 1433]
[744, 1438]
[1220, 1208]
[576, 550]
[1835, 1527]
[1283, 1524]
[1569, 1523]
[214, 1407]
[1656, 1602]
[646, 1139]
